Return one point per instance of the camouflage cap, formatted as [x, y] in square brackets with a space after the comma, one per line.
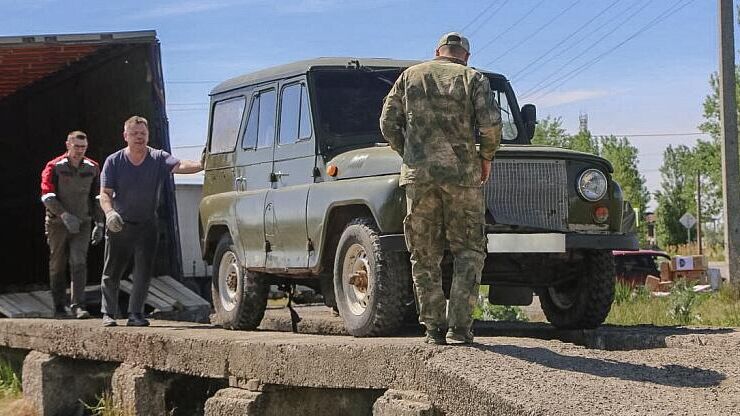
[454, 38]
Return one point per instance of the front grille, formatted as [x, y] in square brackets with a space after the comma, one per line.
[531, 193]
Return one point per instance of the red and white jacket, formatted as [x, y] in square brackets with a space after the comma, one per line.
[65, 188]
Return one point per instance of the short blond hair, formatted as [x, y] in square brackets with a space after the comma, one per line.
[77, 134]
[135, 120]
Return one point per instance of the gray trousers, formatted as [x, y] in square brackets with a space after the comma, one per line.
[66, 248]
[137, 242]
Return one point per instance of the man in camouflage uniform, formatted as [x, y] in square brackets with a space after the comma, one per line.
[430, 118]
[69, 186]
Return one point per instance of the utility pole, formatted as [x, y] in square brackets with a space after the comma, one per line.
[728, 119]
[698, 212]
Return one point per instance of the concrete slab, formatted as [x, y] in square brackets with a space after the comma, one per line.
[502, 375]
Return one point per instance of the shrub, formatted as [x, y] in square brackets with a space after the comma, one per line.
[682, 302]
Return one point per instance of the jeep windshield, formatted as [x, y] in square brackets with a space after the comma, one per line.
[348, 103]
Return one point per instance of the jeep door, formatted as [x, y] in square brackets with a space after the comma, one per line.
[254, 169]
[295, 158]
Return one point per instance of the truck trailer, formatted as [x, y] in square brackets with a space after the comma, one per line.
[51, 85]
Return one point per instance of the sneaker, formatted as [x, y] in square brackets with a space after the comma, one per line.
[459, 336]
[137, 319]
[108, 320]
[80, 312]
[435, 337]
[62, 312]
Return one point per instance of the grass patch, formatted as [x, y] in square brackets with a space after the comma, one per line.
[11, 393]
[634, 306]
[106, 407]
[485, 311]
[10, 383]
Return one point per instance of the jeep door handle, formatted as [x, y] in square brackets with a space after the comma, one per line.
[238, 181]
[280, 174]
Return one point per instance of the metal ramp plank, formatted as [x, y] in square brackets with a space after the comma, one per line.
[176, 289]
[9, 308]
[164, 295]
[151, 299]
[27, 306]
[43, 296]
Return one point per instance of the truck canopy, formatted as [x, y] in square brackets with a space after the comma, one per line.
[51, 85]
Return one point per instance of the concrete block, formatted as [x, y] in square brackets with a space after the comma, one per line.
[403, 403]
[234, 402]
[139, 391]
[61, 386]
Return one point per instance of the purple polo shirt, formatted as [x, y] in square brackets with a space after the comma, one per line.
[137, 188]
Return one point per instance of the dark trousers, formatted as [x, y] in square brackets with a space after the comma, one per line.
[66, 248]
[137, 242]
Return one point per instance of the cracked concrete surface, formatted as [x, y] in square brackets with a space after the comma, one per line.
[524, 369]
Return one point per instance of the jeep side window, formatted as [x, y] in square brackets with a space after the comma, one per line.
[227, 117]
[266, 125]
[509, 130]
[295, 124]
[249, 141]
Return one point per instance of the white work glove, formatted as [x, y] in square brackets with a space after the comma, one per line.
[97, 233]
[71, 222]
[113, 221]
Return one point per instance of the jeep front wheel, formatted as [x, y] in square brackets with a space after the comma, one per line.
[369, 283]
[239, 296]
[585, 301]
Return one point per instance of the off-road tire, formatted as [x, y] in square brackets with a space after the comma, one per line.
[250, 299]
[387, 291]
[592, 294]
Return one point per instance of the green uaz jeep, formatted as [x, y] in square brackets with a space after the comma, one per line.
[301, 187]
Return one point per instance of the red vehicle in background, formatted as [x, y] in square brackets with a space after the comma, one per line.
[633, 267]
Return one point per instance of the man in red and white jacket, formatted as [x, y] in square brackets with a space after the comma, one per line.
[69, 187]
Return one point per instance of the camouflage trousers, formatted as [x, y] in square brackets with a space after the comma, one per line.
[436, 215]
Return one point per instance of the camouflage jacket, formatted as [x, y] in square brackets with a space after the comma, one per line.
[430, 118]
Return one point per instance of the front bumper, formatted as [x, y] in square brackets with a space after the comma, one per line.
[537, 243]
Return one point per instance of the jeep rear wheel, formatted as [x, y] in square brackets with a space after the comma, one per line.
[370, 284]
[239, 296]
[585, 301]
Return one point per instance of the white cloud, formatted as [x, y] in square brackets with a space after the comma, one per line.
[187, 7]
[567, 97]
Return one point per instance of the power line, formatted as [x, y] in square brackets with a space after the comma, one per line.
[651, 134]
[661, 17]
[505, 31]
[531, 35]
[544, 82]
[485, 10]
[490, 16]
[529, 65]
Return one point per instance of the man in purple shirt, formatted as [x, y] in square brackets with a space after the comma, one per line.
[130, 185]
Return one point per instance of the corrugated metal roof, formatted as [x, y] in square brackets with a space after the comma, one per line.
[26, 59]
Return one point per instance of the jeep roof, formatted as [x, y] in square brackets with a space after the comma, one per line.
[302, 67]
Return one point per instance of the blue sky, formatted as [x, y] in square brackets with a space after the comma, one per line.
[653, 83]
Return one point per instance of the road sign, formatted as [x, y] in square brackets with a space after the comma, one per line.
[687, 220]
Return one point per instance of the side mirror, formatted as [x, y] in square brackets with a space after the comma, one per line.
[529, 116]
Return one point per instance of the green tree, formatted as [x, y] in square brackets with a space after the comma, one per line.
[550, 132]
[584, 142]
[675, 197]
[623, 156]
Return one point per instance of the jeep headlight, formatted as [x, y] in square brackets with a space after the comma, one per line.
[592, 185]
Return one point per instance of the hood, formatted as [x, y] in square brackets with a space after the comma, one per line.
[382, 160]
